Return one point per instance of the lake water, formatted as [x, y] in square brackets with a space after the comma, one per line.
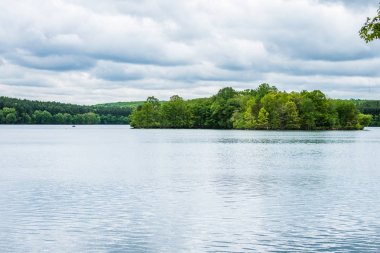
[115, 189]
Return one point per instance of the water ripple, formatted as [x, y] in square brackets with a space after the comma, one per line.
[119, 190]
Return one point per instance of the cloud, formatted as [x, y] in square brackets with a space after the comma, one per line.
[81, 49]
[55, 62]
[353, 3]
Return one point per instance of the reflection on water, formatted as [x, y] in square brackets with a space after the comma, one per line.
[283, 141]
[115, 189]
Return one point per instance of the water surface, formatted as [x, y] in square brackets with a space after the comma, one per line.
[115, 189]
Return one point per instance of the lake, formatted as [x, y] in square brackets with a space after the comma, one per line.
[116, 189]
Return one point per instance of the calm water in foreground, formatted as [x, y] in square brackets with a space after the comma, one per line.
[115, 189]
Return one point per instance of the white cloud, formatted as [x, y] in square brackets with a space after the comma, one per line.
[96, 51]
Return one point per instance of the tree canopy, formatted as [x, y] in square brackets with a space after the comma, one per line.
[261, 108]
[22, 111]
[371, 29]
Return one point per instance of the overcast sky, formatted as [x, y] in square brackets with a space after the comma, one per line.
[93, 51]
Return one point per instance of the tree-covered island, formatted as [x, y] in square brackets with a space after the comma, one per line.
[264, 108]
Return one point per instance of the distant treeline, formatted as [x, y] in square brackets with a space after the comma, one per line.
[261, 108]
[18, 111]
[371, 107]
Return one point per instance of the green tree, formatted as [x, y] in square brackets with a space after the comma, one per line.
[25, 118]
[249, 114]
[238, 121]
[78, 119]
[371, 29]
[9, 115]
[225, 94]
[364, 120]
[67, 118]
[223, 108]
[292, 120]
[263, 90]
[201, 112]
[147, 115]
[90, 118]
[59, 118]
[376, 121]
[322, 109]
[246, 117]
[307, 114]
[175, 113]
[348, 114]
[272, 103]
[42, 117]
[11, 118]
[263, 119]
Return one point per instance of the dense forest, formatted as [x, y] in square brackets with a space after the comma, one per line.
[263, 108]
[132, 104]
[17, 111]
[371, 107]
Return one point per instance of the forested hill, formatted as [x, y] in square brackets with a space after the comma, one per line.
[132, 104]
[261, 108]
[22, 111]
